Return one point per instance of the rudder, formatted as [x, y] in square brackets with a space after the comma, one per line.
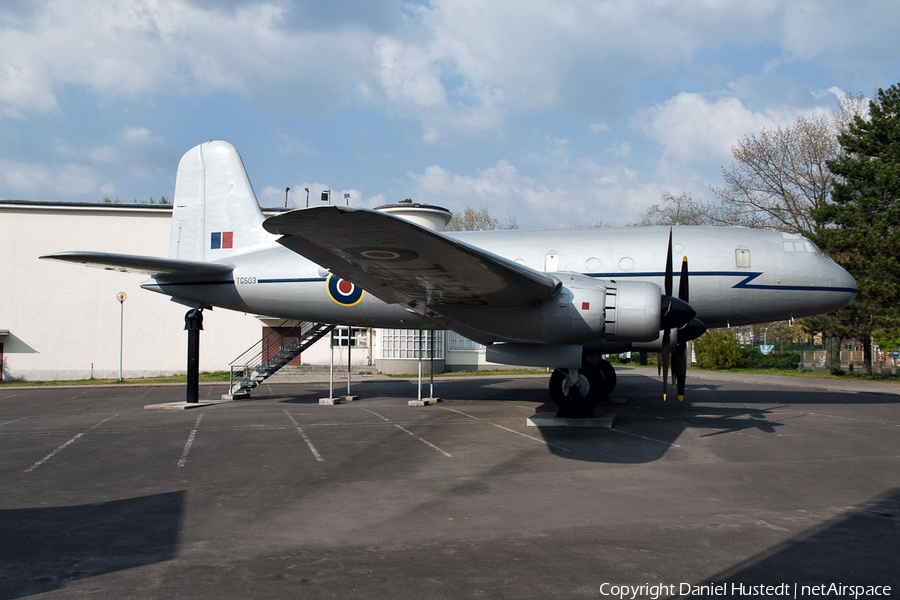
[216, 214]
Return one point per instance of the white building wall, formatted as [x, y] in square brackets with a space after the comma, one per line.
[63, 319]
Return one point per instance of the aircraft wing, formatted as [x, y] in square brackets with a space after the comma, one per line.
[403, 263]
[164, 268]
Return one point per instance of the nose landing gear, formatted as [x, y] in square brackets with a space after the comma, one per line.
[578, 391]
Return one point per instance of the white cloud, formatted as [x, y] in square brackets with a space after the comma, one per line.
[861, 36]
[130, 47]
[460, 67]
[39, 182]
[582, 194]
[691, 128]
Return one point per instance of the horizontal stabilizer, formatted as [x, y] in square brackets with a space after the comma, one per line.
[160, 268]
[403, 263]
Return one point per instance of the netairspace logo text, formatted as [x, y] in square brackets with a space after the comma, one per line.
[784, 590]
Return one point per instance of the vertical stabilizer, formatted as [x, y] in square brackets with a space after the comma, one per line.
[216, 214]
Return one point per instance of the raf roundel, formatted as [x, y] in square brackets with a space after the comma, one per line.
[342, 291]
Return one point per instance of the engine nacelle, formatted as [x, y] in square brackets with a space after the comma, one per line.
[633, 311]
[585, 310]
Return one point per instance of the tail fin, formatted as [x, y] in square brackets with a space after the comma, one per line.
[216, 214]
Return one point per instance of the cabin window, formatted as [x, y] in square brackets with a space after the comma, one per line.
[742, 258]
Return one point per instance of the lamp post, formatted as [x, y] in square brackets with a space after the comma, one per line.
[286, 190]
[307, 197]
[121, 297]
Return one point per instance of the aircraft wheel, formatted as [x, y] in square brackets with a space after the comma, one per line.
[577, 400]
[609, 375]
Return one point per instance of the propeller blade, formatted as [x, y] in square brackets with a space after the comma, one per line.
[683, 291]
[665, 362]
[679, 358]
[668, 280]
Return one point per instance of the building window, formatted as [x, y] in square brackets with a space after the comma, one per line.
[356, 338]
[458, 342]
[404, 343]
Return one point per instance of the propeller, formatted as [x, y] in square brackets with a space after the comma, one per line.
[687, 332]
[667, 308]
[677, 314]
[679, 357]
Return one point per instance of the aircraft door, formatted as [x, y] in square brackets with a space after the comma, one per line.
[551, 263]
[742, 258]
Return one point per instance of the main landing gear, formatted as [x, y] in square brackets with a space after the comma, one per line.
[578, 391]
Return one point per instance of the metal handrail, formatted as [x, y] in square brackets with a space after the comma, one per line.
[250, 365]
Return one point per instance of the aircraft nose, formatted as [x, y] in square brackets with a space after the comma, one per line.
[843, 284]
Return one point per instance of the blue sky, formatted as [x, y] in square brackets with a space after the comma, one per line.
[561, 113]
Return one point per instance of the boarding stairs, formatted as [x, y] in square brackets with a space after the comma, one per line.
[255, 365]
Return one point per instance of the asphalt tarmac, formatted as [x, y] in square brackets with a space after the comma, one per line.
[746, 483]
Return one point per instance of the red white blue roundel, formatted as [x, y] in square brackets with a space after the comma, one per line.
[342, 291]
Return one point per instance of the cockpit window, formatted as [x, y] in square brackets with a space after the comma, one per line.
[812, 247]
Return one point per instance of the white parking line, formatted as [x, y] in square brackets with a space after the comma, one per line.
[531, 437]
[382, 417]
[424, 441]
[403, 429]
[190, 441]
[13, 421]
[303, 435]
[644, 437]
[55, 452]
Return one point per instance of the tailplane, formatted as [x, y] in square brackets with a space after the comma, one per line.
[216, 214]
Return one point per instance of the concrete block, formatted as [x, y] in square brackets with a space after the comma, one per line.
[183, 405]
[549, 419]
[329, 401]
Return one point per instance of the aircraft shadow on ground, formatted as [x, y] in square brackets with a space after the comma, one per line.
[41, 549]
[857, 548]
[649, 427]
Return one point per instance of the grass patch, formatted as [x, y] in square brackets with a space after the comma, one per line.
[214, 377]
[819, 374]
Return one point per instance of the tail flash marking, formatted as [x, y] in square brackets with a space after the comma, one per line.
[221, 239]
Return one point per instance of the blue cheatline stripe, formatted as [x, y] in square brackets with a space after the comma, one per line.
[743, 284]
[306, 280]
[231, 281]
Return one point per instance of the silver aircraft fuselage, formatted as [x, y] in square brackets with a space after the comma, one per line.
[737, 276]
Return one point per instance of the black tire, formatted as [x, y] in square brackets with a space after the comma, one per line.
[573, 404]
[609, 375]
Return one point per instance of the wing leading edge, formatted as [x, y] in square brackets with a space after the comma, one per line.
[161, 268]
[403, 263]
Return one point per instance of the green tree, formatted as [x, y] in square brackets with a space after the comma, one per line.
[862, 222]
[717, 349]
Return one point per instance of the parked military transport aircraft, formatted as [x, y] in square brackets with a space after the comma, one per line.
[557, 299]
